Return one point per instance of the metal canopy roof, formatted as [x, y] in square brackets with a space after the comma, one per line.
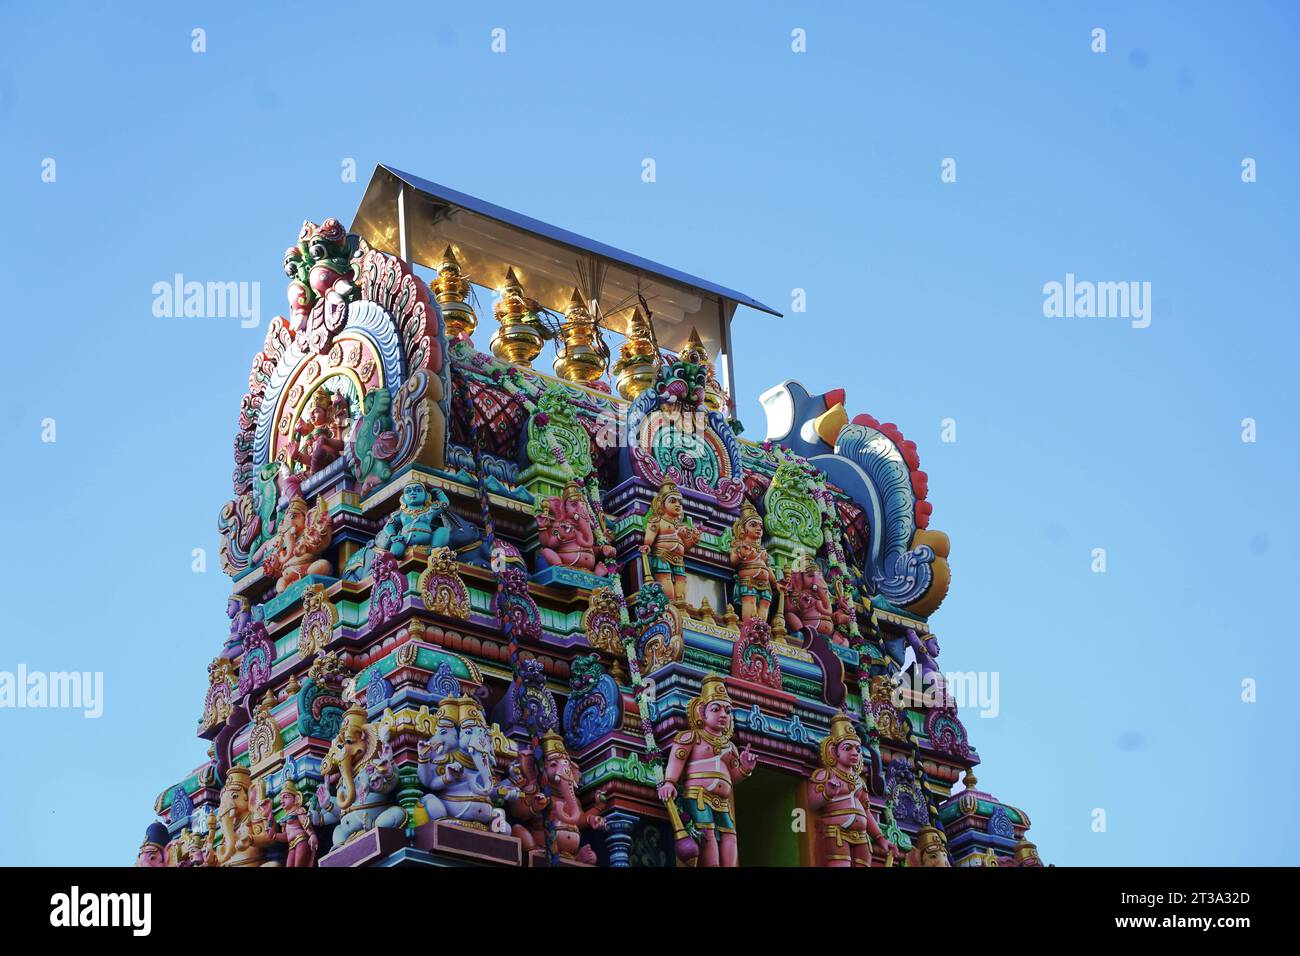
[399, 207]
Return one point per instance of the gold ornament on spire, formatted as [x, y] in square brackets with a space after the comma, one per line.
[519, 339]
[582, 356]
[451, 290]
[638, 357]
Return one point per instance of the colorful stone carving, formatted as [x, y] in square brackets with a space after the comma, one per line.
[929, 848]
[601, 622]
[829, 518]
[669, 534]
[441, 588]
[243, 822]
[152, 851]
[808, 610]
[567, 533]
[323, 272]
[319, 618]
[296, 830]
[752, 658]
[418, 522]
[561, 811]
[755, 580]
[455, 765]
[359, 791]
[374, 441]
[297, 548]
[837, 794]
[707, 765]
[320, 435]
[595, 706]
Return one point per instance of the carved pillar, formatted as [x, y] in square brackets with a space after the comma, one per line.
[618, 836]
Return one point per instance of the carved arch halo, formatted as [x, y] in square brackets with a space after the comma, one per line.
[367, 353]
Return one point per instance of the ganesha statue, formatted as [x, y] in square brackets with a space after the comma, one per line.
[566, 528]
[706, 765]
[455, 765]
[808, 609]
[755, 579]
[359, 792]
[244, 822]
[153, 851]
[929, 848]
[838, 795]
[297, 548]
[562, 810]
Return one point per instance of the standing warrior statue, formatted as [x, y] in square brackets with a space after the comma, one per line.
[711, 766]
[838, 794]
[755, 579]
[668, 535]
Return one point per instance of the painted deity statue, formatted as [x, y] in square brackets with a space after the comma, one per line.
[567, 532]
[320, 434]
[808, 609]
[418, 522]
[563, 808]
[241, 817]
[668, 536]
[296, 831]
[359, 791]
[837, 793]
[755, 579]
[707, 765]
[928, 848]
[455, 764]
[301, 539]
[152, 851]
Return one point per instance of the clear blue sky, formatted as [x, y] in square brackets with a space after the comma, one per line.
[775, 171]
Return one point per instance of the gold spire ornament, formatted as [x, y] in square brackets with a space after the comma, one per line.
[519, 338]
[582, 356]
[638, 358]
[451, 290]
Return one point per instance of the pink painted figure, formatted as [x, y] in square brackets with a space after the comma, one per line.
[838, 795]
[707, 765]
[808, 602]
[153, 849]
[567, 532]
[301, 539]
[296, 830]
[320, 435]
[565, 809]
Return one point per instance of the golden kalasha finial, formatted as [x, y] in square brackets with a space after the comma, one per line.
[582, 358]
[451, 290]
[638, 359]
[519, 338]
